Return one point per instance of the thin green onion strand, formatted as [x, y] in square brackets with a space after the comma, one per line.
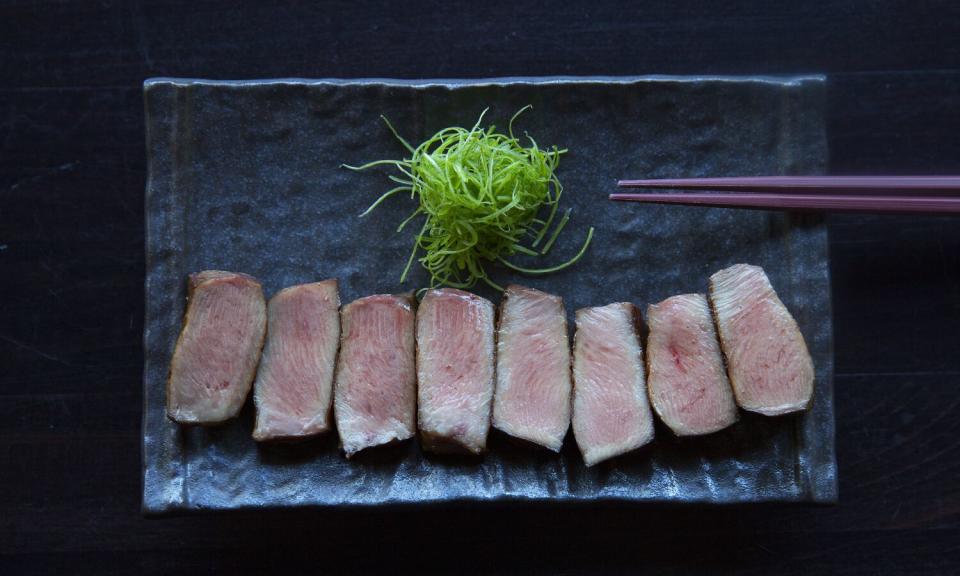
[492, 284]
[397, 163]
[398, 136]
[383, 197]
[557, 268]
[413, 252]
[525, 250]
[406, 221]
[546, 225]
[556, 232]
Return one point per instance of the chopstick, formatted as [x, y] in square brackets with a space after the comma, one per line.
[845, 203]
[904, 194]
[798, 183]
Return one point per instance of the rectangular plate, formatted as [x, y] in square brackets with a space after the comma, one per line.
[245, 176]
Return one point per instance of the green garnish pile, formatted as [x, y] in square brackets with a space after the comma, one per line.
[481, 193]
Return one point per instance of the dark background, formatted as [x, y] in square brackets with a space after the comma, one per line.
[72, 170]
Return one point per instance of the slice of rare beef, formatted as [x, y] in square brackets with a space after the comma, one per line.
[532, 398]
[611, 413]
[375, 400]
[218, 349]
[769, 366]
[294, 385]
[686, 377]
[455, 370]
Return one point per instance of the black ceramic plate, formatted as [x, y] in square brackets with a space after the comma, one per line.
[245, 176]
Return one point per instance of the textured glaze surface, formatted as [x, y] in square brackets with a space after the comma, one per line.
[245, 176]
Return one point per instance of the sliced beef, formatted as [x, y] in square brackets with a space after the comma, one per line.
[376, 390]
[532, 399]
[686, 377]
[294, 385]
[455, 370]
[769, 366]
[611, 413]
[218, 349]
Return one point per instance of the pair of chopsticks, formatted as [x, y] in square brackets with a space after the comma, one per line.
[903, 194]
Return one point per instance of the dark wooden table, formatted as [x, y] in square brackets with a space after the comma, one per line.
[72, 266]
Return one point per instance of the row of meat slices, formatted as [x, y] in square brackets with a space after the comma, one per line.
[451, 366]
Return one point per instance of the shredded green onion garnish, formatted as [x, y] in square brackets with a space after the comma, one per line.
[479, 192]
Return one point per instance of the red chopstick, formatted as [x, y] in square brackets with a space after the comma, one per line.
[905, 194]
